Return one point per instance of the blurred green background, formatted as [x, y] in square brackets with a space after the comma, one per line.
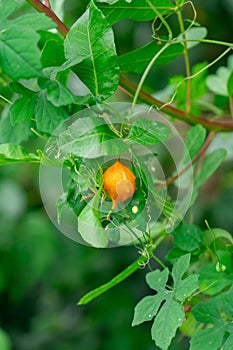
[43, 273]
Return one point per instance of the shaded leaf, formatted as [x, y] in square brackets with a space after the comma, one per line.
[57, 93]
[228, 343]
[211, 337]
[137, 60]
[48, 117]
[230, 84]
[211, 163]
[206, 312]
[139, 10]
[194, 141]
[215, 233]
[52, 54]
[188, 237]
[213, 282]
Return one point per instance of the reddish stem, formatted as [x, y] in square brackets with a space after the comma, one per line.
[212, 125]
[61, 27]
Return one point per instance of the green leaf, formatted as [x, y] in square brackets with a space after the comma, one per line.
[137, 60]
[16, 59]
[19, 53]
[90, 138]
[48, 117]
[23, 108]
[194, 34]
[139, 10]
[74, 199]
[206, 312]
[174, 254]
[181, 2]
[228, 343]
[148, 132]
[147, 308]
[33, 21]
[184, 288]
[90, 46]
[198, 87]
[188, 237]
[215, 233]
[5, 343]
[224, 303]
[211, 337]
[213, 282]
[169, 318]
[180, 267]
[15, 154]
[224, 260]
[52, 54]
[221, 82]
[57, 93]
[218, 83]
[14, 134]
[90, 228]
[194, 140]
[171, 315]
[230, 85]
[217, 310]
[211, 163]
[157, 279]
[58, 7]
[6, 9]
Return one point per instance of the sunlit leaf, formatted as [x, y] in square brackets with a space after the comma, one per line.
[211, 162]
[89, 46]
[15, 154]
[148, 132]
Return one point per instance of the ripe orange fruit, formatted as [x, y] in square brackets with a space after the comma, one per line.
[119, 183]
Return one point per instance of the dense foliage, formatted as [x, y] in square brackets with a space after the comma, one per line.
[63, 93]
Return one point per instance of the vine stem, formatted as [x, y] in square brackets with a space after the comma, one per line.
[145, 73]
[39, 6]
[5, 99]
[201, 152]
[186, 59]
